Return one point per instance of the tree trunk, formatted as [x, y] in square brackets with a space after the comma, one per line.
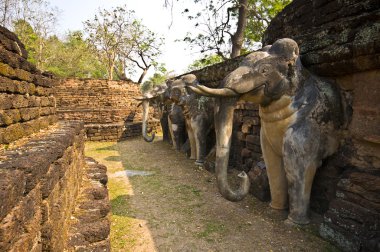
[110, 71]
[238, 37]
[145, 70]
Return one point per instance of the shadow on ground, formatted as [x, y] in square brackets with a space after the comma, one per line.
[178, 208]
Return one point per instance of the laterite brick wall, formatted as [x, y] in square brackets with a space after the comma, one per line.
[44, 177]
[26, 101]
[107, 108]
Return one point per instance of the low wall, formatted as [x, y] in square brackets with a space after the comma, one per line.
[107, 108]
[26, 101]
[45, 182]
[42, 182]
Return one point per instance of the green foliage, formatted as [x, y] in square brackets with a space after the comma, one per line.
[120, 40]
[69, 58]
[108, 35]
[206, 61]
[73, 58]
[217, 21]
[259, 17]
[28, 37]
[158, 78]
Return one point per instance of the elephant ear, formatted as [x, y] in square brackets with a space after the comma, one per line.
[190, 79]
[285, 48]
[253, 57]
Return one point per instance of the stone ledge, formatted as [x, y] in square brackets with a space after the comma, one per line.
[22, 87]
[90, 224]
[40, 178]
[35, 156]
[19, 130]
[11, 42]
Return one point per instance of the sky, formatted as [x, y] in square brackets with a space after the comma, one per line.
[176, 55]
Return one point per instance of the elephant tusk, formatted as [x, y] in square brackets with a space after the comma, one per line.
[224, 92]
[139, 98]
[198, 91]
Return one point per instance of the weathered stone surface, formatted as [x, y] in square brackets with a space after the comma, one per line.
[259, 182]
[35, 157]
[335, 37]
[15, 60]
[24, 218]
[18, 130]
[24, 109]
[211, 76]
[11, 190]
[340, 39]
[11, 42]
[90, 226]
[108, 108]
[41, 176]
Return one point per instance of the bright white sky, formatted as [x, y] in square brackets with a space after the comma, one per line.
[176, 55]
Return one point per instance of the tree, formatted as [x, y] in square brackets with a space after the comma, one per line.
[158, 78]
[259, 17]
[33, 21]
[7, 12]
[108, 35]
[227, 27]
[145, 46]
[73, 58]
[120, 39]
[28, 37]
[205, 61]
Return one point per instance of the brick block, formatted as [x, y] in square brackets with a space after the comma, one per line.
[246, 153]
[12, 133]
[12, 184]
[29, 113]
[8, 117]
[5, 101]
[25, 218]
[252, 140]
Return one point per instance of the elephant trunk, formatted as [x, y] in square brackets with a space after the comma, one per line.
[145, 105]
[224, 111]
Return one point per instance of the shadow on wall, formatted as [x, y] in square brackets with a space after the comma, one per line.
[130, 117]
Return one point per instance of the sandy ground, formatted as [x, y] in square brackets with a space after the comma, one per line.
[166, 203]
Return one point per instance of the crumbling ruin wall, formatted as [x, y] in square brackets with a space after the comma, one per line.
[107, 108]
[26, 101]
[44, 177]
[341, 40]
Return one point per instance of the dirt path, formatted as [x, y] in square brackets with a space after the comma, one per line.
[175, 206]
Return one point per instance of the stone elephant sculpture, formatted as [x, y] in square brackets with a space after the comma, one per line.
[199, 116]
[301, 116]
[171, 115]
[157, 97]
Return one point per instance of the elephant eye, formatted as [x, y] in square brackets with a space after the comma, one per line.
[264, 69]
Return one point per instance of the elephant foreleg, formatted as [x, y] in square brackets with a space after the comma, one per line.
[276, 175]
[200, 140]
[190, 133]
[174, 139]
[301, 162]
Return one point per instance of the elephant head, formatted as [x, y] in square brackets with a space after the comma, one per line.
[157, 96]
[262, 78]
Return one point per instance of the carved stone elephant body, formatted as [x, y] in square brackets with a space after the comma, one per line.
[177, 126]
[171, 115]
[157, 97]
[300, 119]
[199, 117]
